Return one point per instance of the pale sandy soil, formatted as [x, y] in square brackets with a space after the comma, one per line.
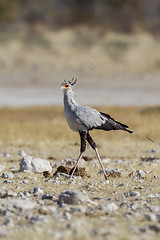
[43, 132]
[111, 70]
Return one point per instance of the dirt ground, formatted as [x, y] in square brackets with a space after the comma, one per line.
[43, 132]
[117, 73]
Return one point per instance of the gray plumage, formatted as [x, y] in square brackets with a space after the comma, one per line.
[83, 119]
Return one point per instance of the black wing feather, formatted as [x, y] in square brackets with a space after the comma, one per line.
[111, 124]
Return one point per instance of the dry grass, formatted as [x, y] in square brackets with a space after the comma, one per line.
[79, 51]
[45, 127]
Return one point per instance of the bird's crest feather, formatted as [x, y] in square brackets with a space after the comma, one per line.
[72, 82]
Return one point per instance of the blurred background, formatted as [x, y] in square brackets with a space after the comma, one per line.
[111, 46]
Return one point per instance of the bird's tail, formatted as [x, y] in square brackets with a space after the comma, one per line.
[146, 138]
[111, 124]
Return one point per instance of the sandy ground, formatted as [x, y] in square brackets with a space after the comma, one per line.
[112, 69]
[43, 132]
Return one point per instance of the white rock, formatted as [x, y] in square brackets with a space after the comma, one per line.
[8, 222]
[154, 208]
[7, 175]
[140, 174]
[6, 154]
[4, 192]
[37, 191]
[106, 160]
[109, 207]
[151, 217]
[134, 206]
[67, 216]
[153, 196]
[18, 204]
[2, 167]
[22, 153]
[32, 164]
[72, 197]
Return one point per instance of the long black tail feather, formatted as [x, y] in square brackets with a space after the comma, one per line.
[111, 124]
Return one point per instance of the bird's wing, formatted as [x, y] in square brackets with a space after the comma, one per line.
[92, 119]
[89, 117]
[110, 124]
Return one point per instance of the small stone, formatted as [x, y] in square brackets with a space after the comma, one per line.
[8, 222]
[21, 195]
[9, 181]
[128, 215]
[7, 175]
[153, 196]
[47, 196]
[24, 181]
[29, 163]
[151, 217]
[158, 217]
[155, 228]
[123, 184]
[13, 168]
[39, 219]
[49, 180]
[72, 197]
[106, 160]
[20, 205]
[4, 193]
[140, 174]
[67, 216]
[37, 191]
[2, 167]
[22, 153]
[6, 154]
[154, 208]
[79, 209]
[134, 206]
[109, 207]
[134, 193]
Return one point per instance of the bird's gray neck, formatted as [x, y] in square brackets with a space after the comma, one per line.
[69, 98]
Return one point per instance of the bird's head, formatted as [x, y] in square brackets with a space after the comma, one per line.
[68, 85]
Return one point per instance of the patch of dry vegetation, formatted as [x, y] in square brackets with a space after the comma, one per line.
[46, 128]
[77, 50]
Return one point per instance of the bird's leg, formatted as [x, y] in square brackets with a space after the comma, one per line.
[83, 136]
[94, 146]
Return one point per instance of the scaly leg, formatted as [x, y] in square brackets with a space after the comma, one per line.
[93, 145]
[99, 159]
[79, 158]
[83, 135]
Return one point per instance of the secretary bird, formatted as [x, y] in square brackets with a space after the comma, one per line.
[84, 119]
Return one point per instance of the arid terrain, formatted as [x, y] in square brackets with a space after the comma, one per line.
[125, 207]
[118, 74]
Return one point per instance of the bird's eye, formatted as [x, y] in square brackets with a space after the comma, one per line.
[67, 85]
